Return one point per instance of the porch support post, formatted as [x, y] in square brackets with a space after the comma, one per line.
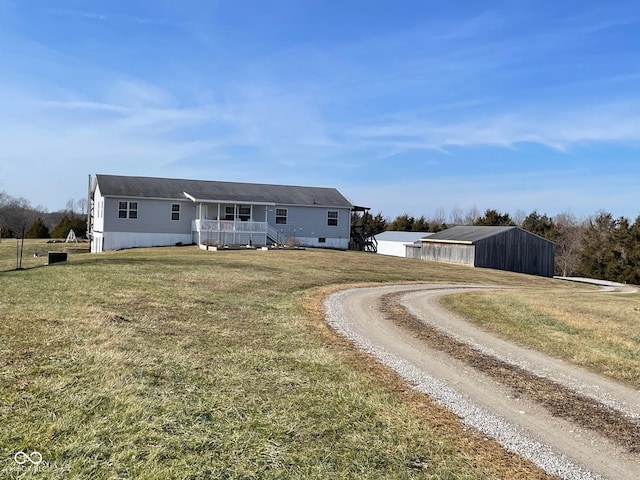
[235, 215]
[266, 221]
[220, 235]
[199, 223]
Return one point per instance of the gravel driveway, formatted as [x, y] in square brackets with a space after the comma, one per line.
[519, 422]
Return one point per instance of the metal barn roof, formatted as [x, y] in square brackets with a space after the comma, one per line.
[206, 190]
[466, 234]
[404, 237]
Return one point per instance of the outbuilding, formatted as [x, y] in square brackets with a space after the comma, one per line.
[503, 248]
[395, 243]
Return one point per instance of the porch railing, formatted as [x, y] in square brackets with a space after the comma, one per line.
[274, 234]
[229, 226]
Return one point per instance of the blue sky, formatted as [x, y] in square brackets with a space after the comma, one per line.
[405, 106]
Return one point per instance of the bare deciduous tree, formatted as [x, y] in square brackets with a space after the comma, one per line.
[439, 216]
[70, 206]
[471, 215]
[570, 231]
[81, 205]
[519, 216]
[16, 214]
[456, 217]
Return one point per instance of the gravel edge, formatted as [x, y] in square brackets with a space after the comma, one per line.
[508, 435]
[593, 392]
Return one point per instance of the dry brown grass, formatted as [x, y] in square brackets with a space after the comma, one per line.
[600, 331]
[179, 363]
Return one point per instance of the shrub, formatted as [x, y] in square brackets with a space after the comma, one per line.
[37, 230]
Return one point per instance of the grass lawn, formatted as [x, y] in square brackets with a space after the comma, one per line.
[179, 363]
[600, 332]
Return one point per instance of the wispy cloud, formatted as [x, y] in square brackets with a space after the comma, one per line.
[105, 16]
[296, 98]
[77, 131]
[74, 13]
[554, 128]
[78, 105]
[562, 190]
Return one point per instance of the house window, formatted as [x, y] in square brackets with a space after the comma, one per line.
[281, 216]
[332, 218]
[244, 212]
[322, 240]
[175, 211]
[229, 212]
[127, 209]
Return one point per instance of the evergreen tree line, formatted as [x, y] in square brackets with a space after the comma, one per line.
[18, 219]
[600, 246]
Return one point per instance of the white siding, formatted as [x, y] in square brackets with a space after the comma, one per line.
[98, 211]
[395, 243]
[96, 242]
[396, 249]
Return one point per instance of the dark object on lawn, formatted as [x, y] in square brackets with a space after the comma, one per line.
[57, 257]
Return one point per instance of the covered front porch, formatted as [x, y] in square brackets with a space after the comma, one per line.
[219, 223]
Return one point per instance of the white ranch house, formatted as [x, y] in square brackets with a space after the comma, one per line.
[127, 212]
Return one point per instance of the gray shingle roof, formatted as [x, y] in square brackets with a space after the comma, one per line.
[466, 234]
[206, 190]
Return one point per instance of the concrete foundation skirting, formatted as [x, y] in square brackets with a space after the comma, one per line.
[215, 248]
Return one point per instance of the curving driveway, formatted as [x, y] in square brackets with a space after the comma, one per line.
[555, 443]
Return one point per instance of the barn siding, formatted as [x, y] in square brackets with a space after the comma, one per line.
[516, 251]
[448, 253]
[511, 249]
[413, 251]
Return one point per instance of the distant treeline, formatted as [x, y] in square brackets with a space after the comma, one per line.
[19, 219]
[600, 246]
